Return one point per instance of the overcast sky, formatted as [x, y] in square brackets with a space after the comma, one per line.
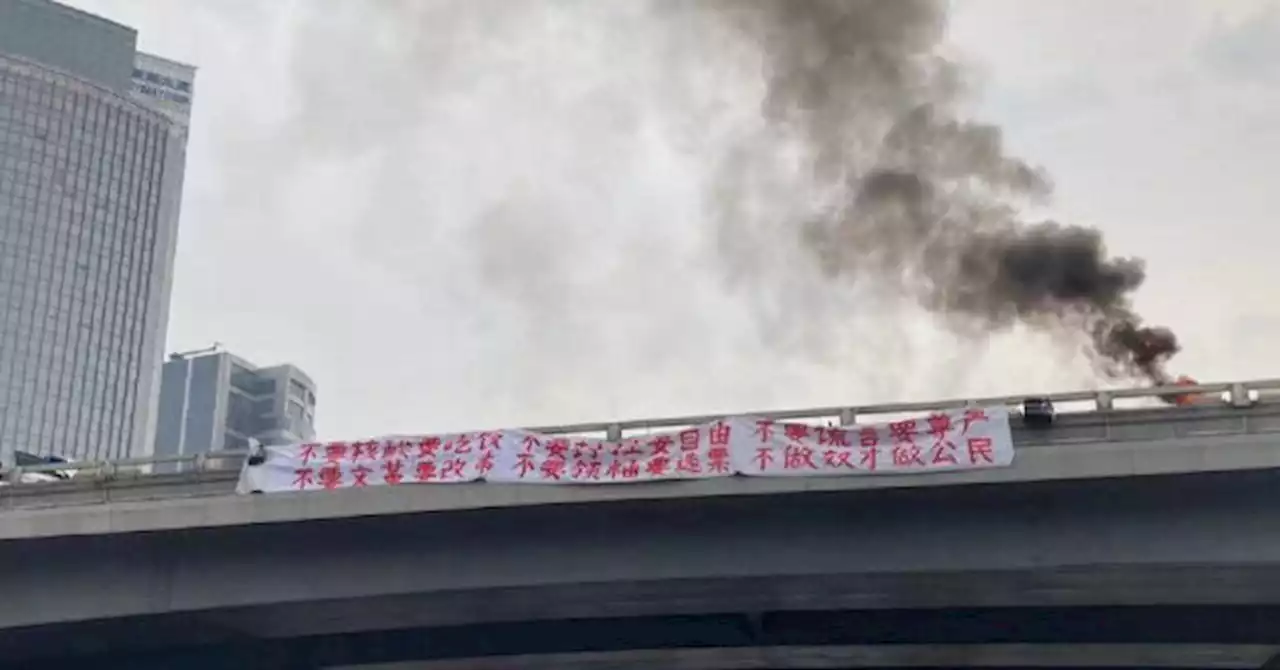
[470, 218]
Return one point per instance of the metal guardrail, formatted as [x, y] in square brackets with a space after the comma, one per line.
[1237, 394]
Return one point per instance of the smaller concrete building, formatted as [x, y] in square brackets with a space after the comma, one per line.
[212, 400]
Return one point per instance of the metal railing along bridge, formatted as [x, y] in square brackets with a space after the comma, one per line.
[1104, 412]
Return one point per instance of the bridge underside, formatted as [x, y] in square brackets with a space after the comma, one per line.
[1060, 637]
[1166, 572]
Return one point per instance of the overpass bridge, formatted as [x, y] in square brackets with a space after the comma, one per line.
[1120, 537]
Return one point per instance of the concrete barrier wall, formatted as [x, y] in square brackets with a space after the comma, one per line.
[942, 543]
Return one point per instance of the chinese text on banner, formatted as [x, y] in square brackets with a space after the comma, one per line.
[966, 438]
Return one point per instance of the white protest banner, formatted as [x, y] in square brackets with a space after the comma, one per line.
[388, 461]
[700, 452]
[962, 439]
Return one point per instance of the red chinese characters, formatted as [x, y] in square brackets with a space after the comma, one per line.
[453, 469]
[719, 433]
[764, 430]
[939, 425]
[393, 472]
[869, 448]
[395, 453]
[690, 460]
[484, 464]
[903, 432]
[461, 444]
[943, 454]
[796, 432]
[588, 460]
[488, 444]
[625, 469]
[798, 455]
[905, 453]
[718, 457]
[837, 453]
[489, 441]
[942, 440]
[907, 456]
[764, 458]
[426, 471]
[690, 463]
[833, 437]
[308, 452]
[555, 464]
[765, 433]
[526, 460]
[835, 459]
[972, 417]
[626, 459]
[397, 450]
[335, 451]
[430, 458]
[943, 450]
[429, 448]
[361, 451]
[660, 463]
[303, 478]
[981, 450]
[330, 476]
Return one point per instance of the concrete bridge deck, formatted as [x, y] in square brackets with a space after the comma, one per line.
[1137, 561]
[1136, 538]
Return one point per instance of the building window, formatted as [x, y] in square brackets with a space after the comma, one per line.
[240, 414]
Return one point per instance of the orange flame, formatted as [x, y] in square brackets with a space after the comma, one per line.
[1182, 399]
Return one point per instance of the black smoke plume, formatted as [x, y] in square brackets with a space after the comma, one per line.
[931, 201]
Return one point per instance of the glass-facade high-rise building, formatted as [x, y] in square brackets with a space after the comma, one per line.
[164, 85]
[90, 189]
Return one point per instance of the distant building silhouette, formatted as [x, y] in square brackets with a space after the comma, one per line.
[212, 400]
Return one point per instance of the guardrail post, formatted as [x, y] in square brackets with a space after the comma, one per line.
[613, 433]
[200, 462]
[1104, 401]
[1239, 395]
[14, 474]
[848, 416]
[106, 471]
